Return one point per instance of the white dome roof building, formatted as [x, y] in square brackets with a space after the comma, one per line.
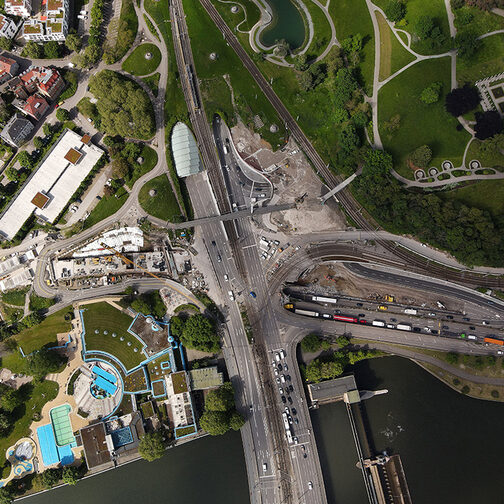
[185, 151]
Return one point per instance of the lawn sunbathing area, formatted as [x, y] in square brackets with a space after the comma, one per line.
[45, 333]
[163, 203]
[106, 330]
[137, 63]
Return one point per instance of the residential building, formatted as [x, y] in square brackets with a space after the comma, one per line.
[47, 81]
[35, 106]
[16, 131]
[50, 24]
[20, 8]
[8, 27]
[8, 68]
[49, 188]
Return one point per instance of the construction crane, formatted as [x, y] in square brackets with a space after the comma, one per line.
[129, 261]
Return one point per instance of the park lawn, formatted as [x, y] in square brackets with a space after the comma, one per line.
[484, 194]
[487, 61]
[16, 296]
[36, 337]
[39, 393]
[137, 64]
[104, 317]
[437, 10]
[249, 99]
[248, 10]
[393, 56]
[153, 82]
[164, 204]
[482, 21]
[150, 161]
[151, 26]
[487, 160]
[351, 17]
[128, 27]
[420, 123]
[321, 28]
[107, 206]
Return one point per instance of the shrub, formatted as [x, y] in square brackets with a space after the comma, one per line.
[395, 10]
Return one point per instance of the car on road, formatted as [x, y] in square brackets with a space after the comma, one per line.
[252, 294]
[213, 243]
[226, 278]
[472, 328]
[445, 327]
[434, 331]
[432, 314]
[485, 322]
[466, 319]
[276, 373]
[286, 409]
[295, 439]
[278, 380]
[287, 377]
[219, 258]
[310, 485]
[416, 329]
[393, 320]
[362, 315]
[449, 317]
[265, 467]
[231, 295]
[294, 411]
[98, 198]
[296, 421]
[281, 390]
[291, 388]
[360, 304]
[286, 368]
[284, 400]
[290, 399]
[277, 357]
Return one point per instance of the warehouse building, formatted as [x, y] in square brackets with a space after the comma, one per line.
[50, 187]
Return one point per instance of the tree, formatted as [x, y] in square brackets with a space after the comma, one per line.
[38, 142]
[421, 157]
[43, 362]
[11, 173]
[51, 50]
[199, 333]
[5, 423]
[50, 477]
[176, 326]
[4, 113]
[487, 124]
[395, 10]
[32, 50]
[459, 101]
[393, 124]
[6, 44]
[120, 167]
[6, 495]
[348, 138]
[25, 160]
[73, 42]
[11, 400]
[92, 55]
[340, 115]
[424, 27]
[467, 43]
[221, 399]
[62, 115]
[310, 343]
[431, 93]
[215, 423]
[151, 446]
[345, 84]
[236, 421]
[46, 129]
[70, 475]
[301, 62]
[305, 80]
[352, 44]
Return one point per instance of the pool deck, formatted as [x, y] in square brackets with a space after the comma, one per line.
[74, 362]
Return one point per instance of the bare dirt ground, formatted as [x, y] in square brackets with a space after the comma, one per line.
[293, 177]
[336, 279]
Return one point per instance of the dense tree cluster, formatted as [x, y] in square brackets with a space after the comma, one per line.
[421, 157]
[196, 332]
[42, 362]
[395, 10]
[459, 101]
[488, 124]
[431, 93]
[313, 343]
[481, 4]
[151, 446]
[427, 30]
[470, 234]
[467, 43]
[220, 413]
[148, 303]
[123, 106]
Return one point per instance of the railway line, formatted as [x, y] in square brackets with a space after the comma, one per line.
[352, 207]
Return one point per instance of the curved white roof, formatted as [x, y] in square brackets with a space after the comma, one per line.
[185, 151]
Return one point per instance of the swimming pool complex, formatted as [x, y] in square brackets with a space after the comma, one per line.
[60, 420]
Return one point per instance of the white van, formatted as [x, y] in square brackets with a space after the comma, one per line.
[231, 295]
[265, 467]
[282, 354]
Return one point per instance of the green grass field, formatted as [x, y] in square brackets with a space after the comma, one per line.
[321, 28]
[482, 21]
[393, 56]
[37, 394]
[233, 20]
[150, 160]
[416, 8]
[104, 317]
[485, 194]
[153, 82]
[164, 204]
[491, 160]
[137, 64]
[45, 333]
[107, 206]
[487, 61]
[249, 99]
[351, 17]
[420, 124]
[16, 296]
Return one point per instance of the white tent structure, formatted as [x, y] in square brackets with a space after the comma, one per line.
[185, 151]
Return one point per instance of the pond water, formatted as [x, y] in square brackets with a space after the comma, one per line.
[287, 24]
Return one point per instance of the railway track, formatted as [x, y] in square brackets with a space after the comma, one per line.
[352, 207]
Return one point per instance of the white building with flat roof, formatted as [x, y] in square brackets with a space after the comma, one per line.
[50, 187]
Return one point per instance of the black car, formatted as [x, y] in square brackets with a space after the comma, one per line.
[294, 411]
[359, 304]
[472, 328]
[466, 319]
[289, 399]
[280, 367]
[283, 399]
[416, 329]
[449, 317]
[291, 388]
[213, 243]
[434, 331]
[362, 315]
[393, 320]
[445, 327]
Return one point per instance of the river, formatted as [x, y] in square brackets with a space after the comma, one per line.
[450, 444]
[209, 470]
[287, 24]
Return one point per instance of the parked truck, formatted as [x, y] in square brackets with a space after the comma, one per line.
[378, 323]
[403, 327]
[410, 311]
